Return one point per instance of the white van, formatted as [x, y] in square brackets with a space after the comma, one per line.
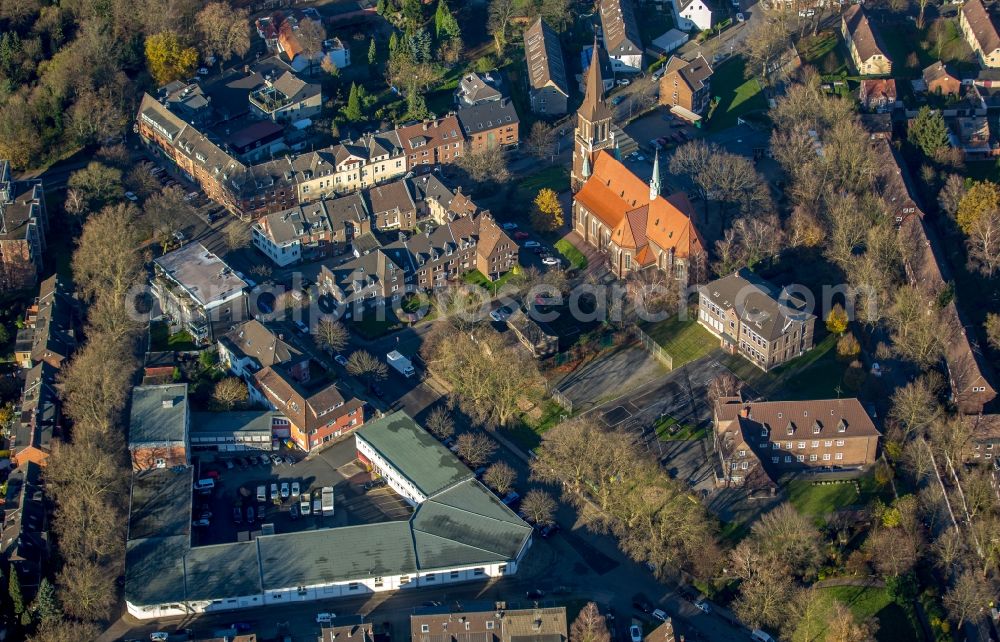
[761, 636]
[204, 484]
[262, 493]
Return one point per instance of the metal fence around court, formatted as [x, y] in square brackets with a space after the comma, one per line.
[565, 402]
[654, 348]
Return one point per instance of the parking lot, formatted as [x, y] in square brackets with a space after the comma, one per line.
[236, 491]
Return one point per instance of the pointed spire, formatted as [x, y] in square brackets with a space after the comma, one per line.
[593, 107]
[654, 181]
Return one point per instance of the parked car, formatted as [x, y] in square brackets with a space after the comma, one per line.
[520, 235]
[201, 522]
[550, 260]
[296, 490]
[531, 244]
[617, 100]
[500, 314]
[261, 511]
[293, 512]
[159, 636]
[250, 514]
[237, 515]
[284, 490]
[325, 618]
[741, 18]
[623, 82]
[635, 633]
[276, 460]
[341, 359]
[212, 474]
[131, 196]
[659, 614]
[274, 490]
[377, 391]
[703, 606]
[509, 226]
[305, 506]
[303, 328]
[203, 71]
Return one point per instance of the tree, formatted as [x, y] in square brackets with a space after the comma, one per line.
[106, 260]
[65, 631]
[981, 198]
[842, 626]
[916, 334]
[557, 13]
[445, 25]
[767, 43]
[475, 448]
[951, 194]
[97, 185]
[230, 392]
[225, 31]
[164, 213]
[724, 384]
[983, 243]
[540, 140]
[14, 591]
[968, 598]
[589, 626]
[310, 35]
[928, 131]
[915, 405]
[894, 551]
[501, 14]
[486, 166]
[331, 334]
[848, 346]
[539, 507]
[439, 423]
[992, 326]
[548, 214]
[500, 477]
[87, 590]
[372, 52]
[837, 320]
[354, 112]
[416, 105]
[366, 365]
[46, 605]
[237, 235]
[168, 59]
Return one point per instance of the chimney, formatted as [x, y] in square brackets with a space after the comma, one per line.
[169, 402]
[746, 411]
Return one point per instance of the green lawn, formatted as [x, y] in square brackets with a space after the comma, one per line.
[475, 277]
[814, 375]
[684, 340]
[161, 341]
[669, 429]
[528, 432]
[555, 178]
[737, 95]
[576, 258]
[368, 324]
[864, 602]
[819, 500]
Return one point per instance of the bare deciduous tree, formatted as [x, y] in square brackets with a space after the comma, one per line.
[968, 598]
[539, 507]
[230, 392]
[589, 626]
[366, 365]
[983, 243]
[915, 405]
[475, 448]
[331, 334]
[500, 477]
[440, 424]
[225, 31]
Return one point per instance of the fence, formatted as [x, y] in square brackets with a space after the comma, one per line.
[562, 400]
[654, 348]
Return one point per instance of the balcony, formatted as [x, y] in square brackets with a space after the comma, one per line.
[269, 100]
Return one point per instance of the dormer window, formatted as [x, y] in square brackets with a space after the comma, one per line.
[816, 428]
[842, 426]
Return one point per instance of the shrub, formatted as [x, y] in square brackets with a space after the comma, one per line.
[848, 346]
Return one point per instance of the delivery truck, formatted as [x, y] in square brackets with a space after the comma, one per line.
[400, 363]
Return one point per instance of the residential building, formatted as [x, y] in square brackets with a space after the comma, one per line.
[288, 45]
[432, 142]
[532, 335]
[23, 225]
[489, 125]
[877, 94]
[973, 136]
[49, 332]
[317, 411]
[234, 431]
[633, 224]
[159, 426]
[349, 166]
[188, 100]
[439, 201]
[24, 538]
[692, 14]
[867, 53]
[370, 278]
[593, 124]
[984, 440]
[663, 633]
[348, 628]
[622, 40]
[756, 442]
[686, 85]
[314, 230]
[938, 80]
[458, 532]
[253, 346]
[337, 52]
[980, 32]
[392, 206]
[39, 419]
[753, 319]
[970, 376]
[898, 191]
[475, 89]
[196, 289]
[259, 140]
[287, 98]
[488, 623]
[669, 41]
[548, 85]
[465, 244]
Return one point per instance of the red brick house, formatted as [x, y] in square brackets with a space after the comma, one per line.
[432, 142]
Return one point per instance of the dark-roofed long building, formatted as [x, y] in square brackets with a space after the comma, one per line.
[622, 40]
[489, 125]
[488, 623]
[548, 86]
[23, 224]
[459, 532]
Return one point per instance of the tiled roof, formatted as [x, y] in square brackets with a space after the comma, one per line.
[264, 344]
[843, 418]
[594, 108]
[860, 31]
[621, 31]
[487, 115]
[546, 66]
[981, 25]
[762, 305]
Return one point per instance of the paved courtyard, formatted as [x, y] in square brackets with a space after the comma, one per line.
[610, 376]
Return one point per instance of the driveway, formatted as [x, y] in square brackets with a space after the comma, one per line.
[609, 376]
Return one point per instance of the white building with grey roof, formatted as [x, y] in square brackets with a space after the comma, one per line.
[622, 39]
[459, 532]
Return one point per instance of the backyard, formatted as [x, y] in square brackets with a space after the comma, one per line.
[737, 95]
[864, 602]
[683, 339]
[160, 339]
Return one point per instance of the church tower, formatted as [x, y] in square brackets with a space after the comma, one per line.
[593, 125]
[654, 181]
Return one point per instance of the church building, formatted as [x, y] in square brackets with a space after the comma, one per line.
[616, 211]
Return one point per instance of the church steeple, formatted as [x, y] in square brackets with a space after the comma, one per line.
[654, 181]
[593, 123]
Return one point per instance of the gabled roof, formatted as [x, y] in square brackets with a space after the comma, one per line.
[546, 67]
[937, 71]
[981, 25]
[428, 465]
[860, 31]
[308, 405]
[763, 307]
[474, 89]
[621, 31]
[430, 133]
[693, 73]
[262, 343]
[840, 418]
[487, 115]
[391, 197]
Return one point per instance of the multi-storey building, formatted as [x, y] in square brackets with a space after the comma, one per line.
[23, 223]
[867, 53]
[758, 441]
[49, 332]
[622, 40]
[489, 623]
[754, 320]
[686, 84]
[313, 230]
[980, 32]
[490, 124]
[548, 85]
[159, 426]
[432, 142]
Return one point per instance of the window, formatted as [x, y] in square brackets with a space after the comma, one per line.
[838, 456]
[502, 569]
[489, 624]
[788, 459]
[815, 444]
[788, 445]
[478, 571]
[734, 465]
[774, 460]
[827, 443]
[429, 577]
[840, 442]
[405, 579]
[813, 457]
[826, 456]
[744, 465]
[353, 586]
[160, 462]
[454, 575]
[743, 453]
[800, 458]
[802, 444]
[378, 582]
[468, 626]
[425, 628]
